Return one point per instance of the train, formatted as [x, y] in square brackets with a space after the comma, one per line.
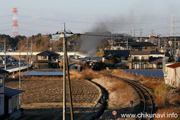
[89, 63]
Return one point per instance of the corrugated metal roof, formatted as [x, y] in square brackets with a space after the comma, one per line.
[39, 73]
[175, 65]
[9, 92]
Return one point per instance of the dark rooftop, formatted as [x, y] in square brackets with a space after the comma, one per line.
[9, 92]
[142, 44]
[48, 53]
[3, 71]
[119, 53]
[140, 52]
[155, 52]
[155, 60]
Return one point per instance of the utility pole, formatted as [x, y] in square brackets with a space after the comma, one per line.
[27, 46]
[140, 35]
[19, 71]
[69, 86]
[4, 53]
[134, 33]
[159, 42]
[173, 35]
[65, 67]
[152, 32]
[31, 52]
[127, 46]
[64, 74]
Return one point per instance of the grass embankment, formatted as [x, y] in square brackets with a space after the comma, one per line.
[166, 98]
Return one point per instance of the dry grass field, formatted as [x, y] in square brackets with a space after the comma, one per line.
[50, 91]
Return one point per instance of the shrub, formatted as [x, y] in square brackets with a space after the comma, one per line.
[161, 93]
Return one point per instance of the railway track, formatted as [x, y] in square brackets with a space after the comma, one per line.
[146, 100]
[146, 103]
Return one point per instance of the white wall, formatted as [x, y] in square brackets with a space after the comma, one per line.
[170, 79]
[177, 76]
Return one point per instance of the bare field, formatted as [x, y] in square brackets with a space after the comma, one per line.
[50, 91]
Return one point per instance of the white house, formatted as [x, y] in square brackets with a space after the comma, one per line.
[9, 99]
[173, 74]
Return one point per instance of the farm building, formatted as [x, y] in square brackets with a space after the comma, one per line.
[9, 99]
[173, 74]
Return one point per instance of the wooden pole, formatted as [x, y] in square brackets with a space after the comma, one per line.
[69, 86]
[64, 75]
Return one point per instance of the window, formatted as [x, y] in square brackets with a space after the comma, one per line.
[135, 58]
[43, 57]
[143, 57]
[1, 81]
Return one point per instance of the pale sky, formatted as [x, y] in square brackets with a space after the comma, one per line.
[120, 16]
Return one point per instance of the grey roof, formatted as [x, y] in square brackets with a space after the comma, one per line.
[155, 52]
[140, 52]
[118, 53]
[142, 44]
[39, 73]
[9, 92]
[48, 53]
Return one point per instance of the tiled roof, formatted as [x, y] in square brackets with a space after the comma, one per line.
[48, 53]
[175, 65]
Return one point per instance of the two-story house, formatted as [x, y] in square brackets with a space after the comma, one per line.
[47, 59]
[145, 60]
[9, 99]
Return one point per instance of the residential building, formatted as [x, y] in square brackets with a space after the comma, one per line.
[113, 56]
[119, 46]
[145, 60]
[143, 46]
[9, 99]
[172, 76]
[47, 59]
